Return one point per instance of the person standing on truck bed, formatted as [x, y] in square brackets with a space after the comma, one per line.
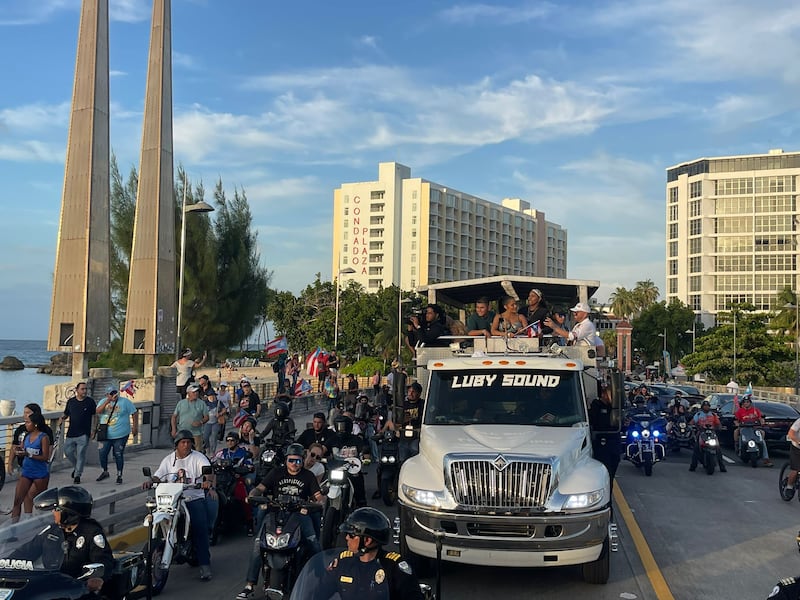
[536, 310]
[583, 332]
[410, 413]
[433, 328]
[480, 322]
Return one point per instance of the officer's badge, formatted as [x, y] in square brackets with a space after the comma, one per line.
[99, 540]
[80, 542]
[380, 576]
[404, 567]
[346, 579]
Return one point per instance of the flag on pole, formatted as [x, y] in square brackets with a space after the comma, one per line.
[240, 418]
[128, 387]
[276, 347]
[302, 387]
[312, 365]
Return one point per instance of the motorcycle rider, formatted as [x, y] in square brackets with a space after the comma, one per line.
[292, 480]
[281, 425]
[748, 413]
[349, 445]
[318, 433]
[605, 437]
[705, 417]
[365, 570]
[794, 459]
[187, 463]
[84, 540]
[239, 455]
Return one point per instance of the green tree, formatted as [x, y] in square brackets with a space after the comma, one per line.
[623, 303]
[650, 326]
[123, 207]
[645, 294]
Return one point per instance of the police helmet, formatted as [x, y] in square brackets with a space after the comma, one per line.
[184, 434]
[295, 450]
[747, 398]
[281, 410]
[368, 521]
[72, 501]
[343, 424]
[705, 403]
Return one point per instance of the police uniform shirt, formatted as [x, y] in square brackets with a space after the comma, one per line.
[786, 589]
[387, 577]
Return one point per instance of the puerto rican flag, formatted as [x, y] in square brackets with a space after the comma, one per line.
[128, 387]
[312, 364]
[276, 347]
[302, 388]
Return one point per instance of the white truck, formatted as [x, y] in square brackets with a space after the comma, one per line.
[505, 474]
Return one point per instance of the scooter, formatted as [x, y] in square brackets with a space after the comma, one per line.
[170, 532]
[708, 447]
[340, 494]
[751, 438]
[644, 447]
[283, 552]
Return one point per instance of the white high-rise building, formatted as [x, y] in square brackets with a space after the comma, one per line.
[732, 228]
[411, 232]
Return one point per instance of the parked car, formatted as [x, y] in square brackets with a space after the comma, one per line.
[778, 418]
[686, 389]
[718, 400]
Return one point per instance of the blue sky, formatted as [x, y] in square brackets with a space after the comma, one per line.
[577, 107]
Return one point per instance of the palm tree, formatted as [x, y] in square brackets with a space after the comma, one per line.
[646, 293]
[623, 303]
[786, 318]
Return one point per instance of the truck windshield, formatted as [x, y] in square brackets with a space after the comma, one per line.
[504, 398]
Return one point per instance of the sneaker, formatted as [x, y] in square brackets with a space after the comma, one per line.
[246, 593]
[788, 493]
[768, 463]
[723, 469]
[76, 480]
[205, 572]
[119, 479]
[103, 475]
[692, 468]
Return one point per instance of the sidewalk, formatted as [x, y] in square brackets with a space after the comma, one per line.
[127, 497]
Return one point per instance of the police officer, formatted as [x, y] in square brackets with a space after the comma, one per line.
[365, 570]
[85, 541]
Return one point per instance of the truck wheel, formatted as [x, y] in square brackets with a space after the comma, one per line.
[648, 466]
[598, 570]
[158, 574]
[330, 528]
[710, 463]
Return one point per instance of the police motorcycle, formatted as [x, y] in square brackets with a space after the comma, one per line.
[229, 477]
[169, 525]
[281, 543]
[708, 446]
[751, 440]
[644, 439]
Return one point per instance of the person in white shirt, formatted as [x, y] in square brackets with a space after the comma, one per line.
[583, 333]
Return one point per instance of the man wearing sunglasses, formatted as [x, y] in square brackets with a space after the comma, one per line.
[292, 480]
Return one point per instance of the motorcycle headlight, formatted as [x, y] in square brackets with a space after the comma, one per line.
[582, 501]
[645, 434]
[392, 459]
[656, 433]
[635, 434]
[711, 442]
[751, 444]
[268, 455]
[163, 501]
[425, 498]
[337, 475]
[278, 541]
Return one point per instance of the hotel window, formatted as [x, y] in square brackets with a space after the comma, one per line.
[673, 267]
[694, 283]
[673, 249]
[694, 302]
[695, 227]
[414, 195]
[673, 231]
[673, 212]
[346, 211]
[413, 233]
[413, 219]
[694, 264]
[695, 245]
[673, 285]
[673, 195]
[376, 195]
[346, 223]
[695, 189]
[694, 208]
[346, 199]
[413, 245]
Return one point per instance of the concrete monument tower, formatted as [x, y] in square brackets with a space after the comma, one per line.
[80, 314]
[150, 320]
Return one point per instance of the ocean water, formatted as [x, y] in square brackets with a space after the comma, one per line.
[26, 385]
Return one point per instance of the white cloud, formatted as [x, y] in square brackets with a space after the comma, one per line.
[35, 117]
[370, 41]
[495, 13]
[32, 151]
[33, 12]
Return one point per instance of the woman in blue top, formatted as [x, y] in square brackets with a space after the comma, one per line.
[35, 475]
[120, 415]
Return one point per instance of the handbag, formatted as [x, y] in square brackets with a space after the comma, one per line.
[101, 433]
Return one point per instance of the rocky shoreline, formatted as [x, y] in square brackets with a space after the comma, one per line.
[59, 365]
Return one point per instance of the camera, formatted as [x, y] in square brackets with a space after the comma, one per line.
[414, 310]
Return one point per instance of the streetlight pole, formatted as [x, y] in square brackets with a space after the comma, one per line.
[734, 344]
[197, 207]
[345, 271]
[693, 332]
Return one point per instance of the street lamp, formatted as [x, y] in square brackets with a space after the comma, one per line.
[796, 307]
[664, 353]
[197, 207]
[400, 302]
[345, 271]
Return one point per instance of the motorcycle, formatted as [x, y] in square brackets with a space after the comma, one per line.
[681, 433]
[751, 439]
[644, 447]
[170, 532]
[283, 552]
[231, 490]
[270, 455]
[708, 444]
[341, 501]
[389, 463]
[312, 584]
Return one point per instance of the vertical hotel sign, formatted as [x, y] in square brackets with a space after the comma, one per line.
[358, 254]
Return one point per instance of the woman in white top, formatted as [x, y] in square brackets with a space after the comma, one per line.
[186, 366]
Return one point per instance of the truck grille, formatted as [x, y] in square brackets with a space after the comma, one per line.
[498, 483]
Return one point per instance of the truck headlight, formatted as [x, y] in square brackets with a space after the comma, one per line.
[579, 501]
[426, 498]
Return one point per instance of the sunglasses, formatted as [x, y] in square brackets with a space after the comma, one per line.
[316, 455]
[230, 440]
[350, 535]
[295, 461]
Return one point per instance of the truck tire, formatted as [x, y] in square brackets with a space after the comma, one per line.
[597, 572]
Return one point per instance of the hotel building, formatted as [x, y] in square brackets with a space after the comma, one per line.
[731, 231]
[411, 232]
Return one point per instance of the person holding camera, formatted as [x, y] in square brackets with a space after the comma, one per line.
[433, 327]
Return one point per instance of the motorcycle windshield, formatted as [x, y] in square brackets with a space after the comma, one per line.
[314, 581]
[37, 550]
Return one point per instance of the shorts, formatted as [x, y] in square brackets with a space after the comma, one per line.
[794, 458]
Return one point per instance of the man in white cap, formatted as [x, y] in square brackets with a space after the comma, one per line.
[583, 332]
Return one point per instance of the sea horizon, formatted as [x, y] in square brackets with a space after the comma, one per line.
[26, 385]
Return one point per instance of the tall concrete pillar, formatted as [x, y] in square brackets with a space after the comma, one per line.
[150, 320]
[80, 315]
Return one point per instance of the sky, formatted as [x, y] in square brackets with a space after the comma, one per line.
[577, 107]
